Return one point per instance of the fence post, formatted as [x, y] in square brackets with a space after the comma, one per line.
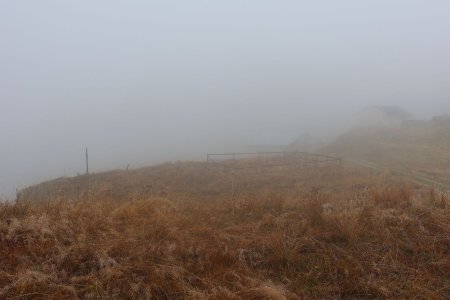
[87, 161]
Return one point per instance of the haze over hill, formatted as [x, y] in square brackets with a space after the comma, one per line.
[237, 149]
[141, 83]
[413, 148]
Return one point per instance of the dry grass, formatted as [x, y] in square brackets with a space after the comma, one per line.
[266, 242]
[421, 149]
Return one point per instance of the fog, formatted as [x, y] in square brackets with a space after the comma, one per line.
[143, 82]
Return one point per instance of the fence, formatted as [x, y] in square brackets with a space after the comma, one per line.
[247, 160]
[246, 169]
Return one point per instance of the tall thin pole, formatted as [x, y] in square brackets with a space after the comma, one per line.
[87, 161]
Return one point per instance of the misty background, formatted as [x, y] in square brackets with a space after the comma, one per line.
[142, 82]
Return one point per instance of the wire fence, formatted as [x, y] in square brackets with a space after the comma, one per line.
[245, 168]
[248, 160]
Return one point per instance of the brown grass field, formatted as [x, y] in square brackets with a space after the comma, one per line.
[192, 231]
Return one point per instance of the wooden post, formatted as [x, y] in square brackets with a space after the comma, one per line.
[87, 161]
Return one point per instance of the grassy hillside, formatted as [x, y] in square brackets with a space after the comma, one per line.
[202, 181]
[422, 148]
[193, 231]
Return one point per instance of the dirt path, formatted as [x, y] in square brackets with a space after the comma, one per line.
[420, 179]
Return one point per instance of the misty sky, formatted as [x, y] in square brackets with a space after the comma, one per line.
[141, 82]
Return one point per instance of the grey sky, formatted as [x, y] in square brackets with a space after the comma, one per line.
[146, 81]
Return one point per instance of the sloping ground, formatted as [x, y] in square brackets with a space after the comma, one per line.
[196, 231]
[422, 149]
[384, 242]
[202, 181]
